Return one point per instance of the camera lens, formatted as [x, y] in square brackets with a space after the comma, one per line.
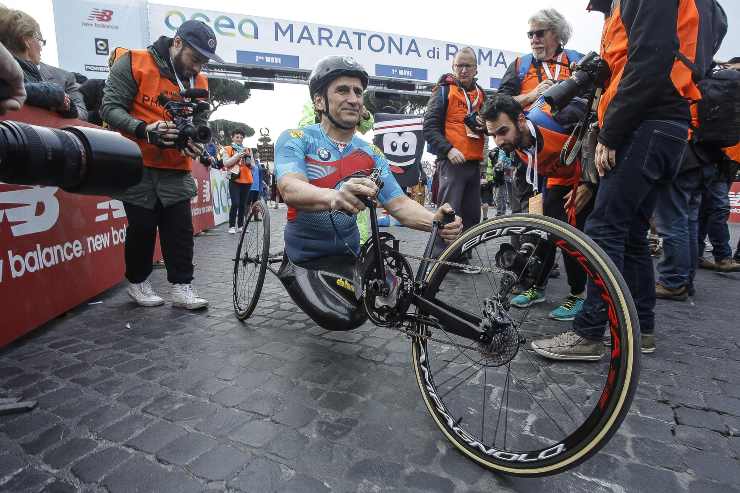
[203, 134]
[77, 159]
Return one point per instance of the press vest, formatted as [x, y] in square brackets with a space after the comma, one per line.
[531, 73]
[245, 171]
[455, 130]
[733, 152]
[146, 108]
[550, 144]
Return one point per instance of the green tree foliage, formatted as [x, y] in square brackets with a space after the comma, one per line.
[404, 104]
[225, 91]
[228, 126]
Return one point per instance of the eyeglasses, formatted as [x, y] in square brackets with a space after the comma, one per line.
[464, 66]
[540, 33]
[38, 38]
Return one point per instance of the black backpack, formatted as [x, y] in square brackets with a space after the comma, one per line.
[719, 106]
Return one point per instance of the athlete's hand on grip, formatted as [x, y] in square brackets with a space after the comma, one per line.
[450, 231]
[347, 197]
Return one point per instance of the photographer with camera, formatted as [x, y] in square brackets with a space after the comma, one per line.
[149, 97]
[529, 76]
[454, 133]
[644, 117]
[238, 166]
[538, 139]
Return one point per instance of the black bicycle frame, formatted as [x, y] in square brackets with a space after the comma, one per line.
[454, 320]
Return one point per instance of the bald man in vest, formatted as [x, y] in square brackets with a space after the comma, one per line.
[162, 200]
[456, 139]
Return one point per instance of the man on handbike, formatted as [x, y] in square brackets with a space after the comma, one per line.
[310, 163]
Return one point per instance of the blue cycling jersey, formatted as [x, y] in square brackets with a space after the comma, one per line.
[311, 153]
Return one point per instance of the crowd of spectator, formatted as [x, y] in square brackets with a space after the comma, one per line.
[683, 193]
[687, 201]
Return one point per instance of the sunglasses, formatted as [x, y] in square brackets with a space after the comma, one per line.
[539, 33]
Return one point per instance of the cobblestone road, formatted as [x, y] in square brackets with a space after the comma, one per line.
[160, 399]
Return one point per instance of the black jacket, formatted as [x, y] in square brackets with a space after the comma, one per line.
[68, 82]
[43, 93]
[644, 54]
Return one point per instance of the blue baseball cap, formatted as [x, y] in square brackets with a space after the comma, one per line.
[201, 37]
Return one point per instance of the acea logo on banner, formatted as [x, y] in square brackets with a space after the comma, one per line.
[223, 25]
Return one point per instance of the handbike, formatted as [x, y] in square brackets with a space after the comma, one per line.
[491, 396]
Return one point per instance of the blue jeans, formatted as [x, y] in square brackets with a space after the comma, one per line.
[713, 215]
[676, 219]
[649, 159]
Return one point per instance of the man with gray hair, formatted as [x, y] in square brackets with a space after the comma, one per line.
[526, 79]
[529, 76]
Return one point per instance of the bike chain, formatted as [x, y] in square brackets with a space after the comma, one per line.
[414, 334]
[455, 264]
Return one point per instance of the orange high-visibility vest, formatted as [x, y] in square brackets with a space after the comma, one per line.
[146, 107]
[455, 131]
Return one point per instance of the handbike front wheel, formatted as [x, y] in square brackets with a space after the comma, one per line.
[250, 263]
[501, 404]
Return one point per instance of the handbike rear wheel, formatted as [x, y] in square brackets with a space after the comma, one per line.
[506, 407]
[250, 263]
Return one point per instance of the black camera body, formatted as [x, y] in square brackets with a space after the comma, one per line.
[472, 121]
[591, 73]
[193, 103]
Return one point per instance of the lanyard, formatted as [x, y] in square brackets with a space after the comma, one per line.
[557, 68]
[531, 175]
[177, 77]
[467, 98]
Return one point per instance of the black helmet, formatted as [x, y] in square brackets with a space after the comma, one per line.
[329, 68]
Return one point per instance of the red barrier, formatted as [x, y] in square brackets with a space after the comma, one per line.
[735, 202]
[58, 250]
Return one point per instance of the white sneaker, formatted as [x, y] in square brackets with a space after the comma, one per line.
[184, 296]
[239, 229]
[143, 294]
[232, 231]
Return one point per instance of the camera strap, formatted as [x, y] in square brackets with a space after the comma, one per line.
[531, 175]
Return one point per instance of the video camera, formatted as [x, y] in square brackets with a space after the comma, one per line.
[590, 73]
[193, 103]
[84, 160]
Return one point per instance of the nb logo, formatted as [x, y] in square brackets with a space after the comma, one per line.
[20, 209]
[100, 15]
[116, 208]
